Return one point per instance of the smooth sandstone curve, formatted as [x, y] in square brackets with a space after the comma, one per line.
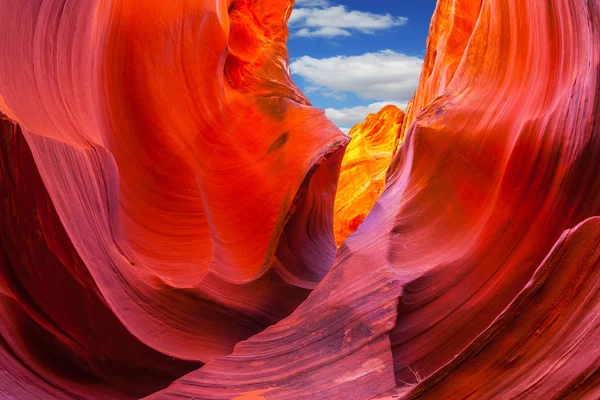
[168, 209]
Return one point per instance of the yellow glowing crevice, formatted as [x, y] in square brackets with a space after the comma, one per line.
[363, 171]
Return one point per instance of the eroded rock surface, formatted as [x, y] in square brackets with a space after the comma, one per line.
[167, 214]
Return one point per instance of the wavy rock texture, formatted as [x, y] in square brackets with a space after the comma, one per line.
[167, 194]
[366, 161]
[157, 163]
[544, 344]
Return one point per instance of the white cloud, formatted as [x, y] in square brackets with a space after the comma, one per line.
[312, 3]
[386, 77]
[321, 19]
[351, 116]
[376, 76]
[325, 32]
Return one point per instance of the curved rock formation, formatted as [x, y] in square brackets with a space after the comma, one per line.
[168, 206]
[544, 345]
[157, 163]
[366, 160]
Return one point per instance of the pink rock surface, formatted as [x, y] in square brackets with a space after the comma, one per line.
[167, 199]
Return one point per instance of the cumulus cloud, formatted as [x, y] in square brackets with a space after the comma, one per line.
[348, 117]
[384, 77]
[319, 18]
[375, 76]
[312, 3]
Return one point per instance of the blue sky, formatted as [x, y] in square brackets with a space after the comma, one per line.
[351, 57]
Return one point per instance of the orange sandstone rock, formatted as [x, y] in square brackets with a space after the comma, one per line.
[364, 167]
[166, 190]
[475, 273]
[167, 209]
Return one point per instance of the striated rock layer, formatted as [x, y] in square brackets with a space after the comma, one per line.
[166, 190]
[168, 206]
[363, 170]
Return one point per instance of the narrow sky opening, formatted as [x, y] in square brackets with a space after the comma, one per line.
[352, 57]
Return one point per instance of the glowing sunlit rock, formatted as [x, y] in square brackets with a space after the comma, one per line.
[364, 167]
